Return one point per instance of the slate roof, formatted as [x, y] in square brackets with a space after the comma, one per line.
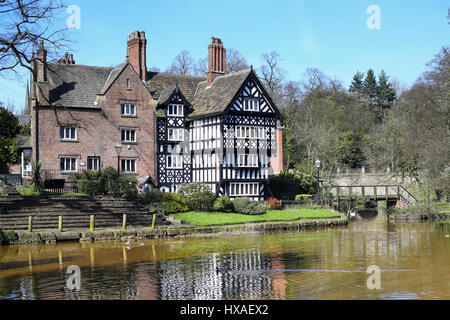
[23, 141]
[73, 85]
[163, 81]
[217, 97]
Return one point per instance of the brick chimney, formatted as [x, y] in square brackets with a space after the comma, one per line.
[217, 60]
[137, 53]
[67, 59]
[42, 86]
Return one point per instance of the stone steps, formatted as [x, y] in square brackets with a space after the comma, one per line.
[76, 212]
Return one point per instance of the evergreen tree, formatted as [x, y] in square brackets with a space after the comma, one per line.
[386, 94]
[357, 83]
[370, 85]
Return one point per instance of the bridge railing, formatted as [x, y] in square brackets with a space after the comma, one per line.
[373, 192]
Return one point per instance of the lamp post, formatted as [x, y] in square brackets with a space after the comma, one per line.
[118, 151]
[318, 164]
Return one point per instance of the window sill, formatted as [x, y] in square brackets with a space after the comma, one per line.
[69, 141]
[128, 116]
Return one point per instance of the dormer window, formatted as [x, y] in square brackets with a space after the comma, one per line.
[128, 109]
[251, 105]
[175, 110]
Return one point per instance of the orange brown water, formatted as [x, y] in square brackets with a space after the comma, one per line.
[320, 264]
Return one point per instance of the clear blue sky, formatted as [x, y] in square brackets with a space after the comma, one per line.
[331, 35]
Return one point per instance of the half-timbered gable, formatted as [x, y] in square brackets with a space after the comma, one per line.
[174, 156]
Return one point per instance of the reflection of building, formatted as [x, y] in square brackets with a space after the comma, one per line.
[231, 276]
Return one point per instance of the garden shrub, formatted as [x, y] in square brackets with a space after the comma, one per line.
[174, 203]
[223, 204]
[157, 208]
[89, 187]
[285, 186]
[198, 197]
[150, 197]
[249, 207]
[106, 182]
[273, 203]
[127, 187]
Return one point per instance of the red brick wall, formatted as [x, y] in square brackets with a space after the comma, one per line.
[99, 132]
[276, 162]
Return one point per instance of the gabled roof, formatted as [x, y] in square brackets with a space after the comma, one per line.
[160, 81]
[74, 85]
[113, 76]
[168, 94]
[217, 97]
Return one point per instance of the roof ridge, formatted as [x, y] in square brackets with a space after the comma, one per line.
[81, 65]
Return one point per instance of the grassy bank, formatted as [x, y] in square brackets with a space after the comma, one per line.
[202, 219]
[443, 207]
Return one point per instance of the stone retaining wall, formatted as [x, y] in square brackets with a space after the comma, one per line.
[22, 237]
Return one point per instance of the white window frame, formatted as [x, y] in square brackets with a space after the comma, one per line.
[175, 110]
[174, 162]
[67, 133]
[250, 132]
[131, 107]
[251, 105]
[177, 134]
[128, 137]
[126, 165]
[72, 161]
[248, 160]
[93, 159]
[244, 189]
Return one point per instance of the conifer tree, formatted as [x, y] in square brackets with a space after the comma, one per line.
[357, 83]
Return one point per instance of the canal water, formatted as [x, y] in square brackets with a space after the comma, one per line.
[413, 258]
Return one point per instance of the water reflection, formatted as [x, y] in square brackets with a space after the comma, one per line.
[271, 266]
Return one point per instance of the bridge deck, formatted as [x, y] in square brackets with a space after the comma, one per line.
[389, 192]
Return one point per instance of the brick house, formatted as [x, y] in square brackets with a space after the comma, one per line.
[223, 130]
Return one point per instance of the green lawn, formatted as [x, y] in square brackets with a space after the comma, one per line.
[443, 207]
[201, 219]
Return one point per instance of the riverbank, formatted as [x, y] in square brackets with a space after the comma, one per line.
[206, 219]
[51, 237]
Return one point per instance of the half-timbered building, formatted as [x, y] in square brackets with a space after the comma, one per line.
[226, 136]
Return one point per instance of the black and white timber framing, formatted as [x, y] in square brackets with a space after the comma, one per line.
[229, 150]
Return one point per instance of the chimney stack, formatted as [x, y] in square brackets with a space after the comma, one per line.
[68, 59]
[42, 63]
[42, 88]
[137, 53]
[217, 60]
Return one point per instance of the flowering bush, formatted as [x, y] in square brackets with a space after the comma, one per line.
[273, 203]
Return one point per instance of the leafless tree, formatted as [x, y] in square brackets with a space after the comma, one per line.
[23, 25]
[201, 68]
[272, 74]
[235, 61]
[182, 64]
